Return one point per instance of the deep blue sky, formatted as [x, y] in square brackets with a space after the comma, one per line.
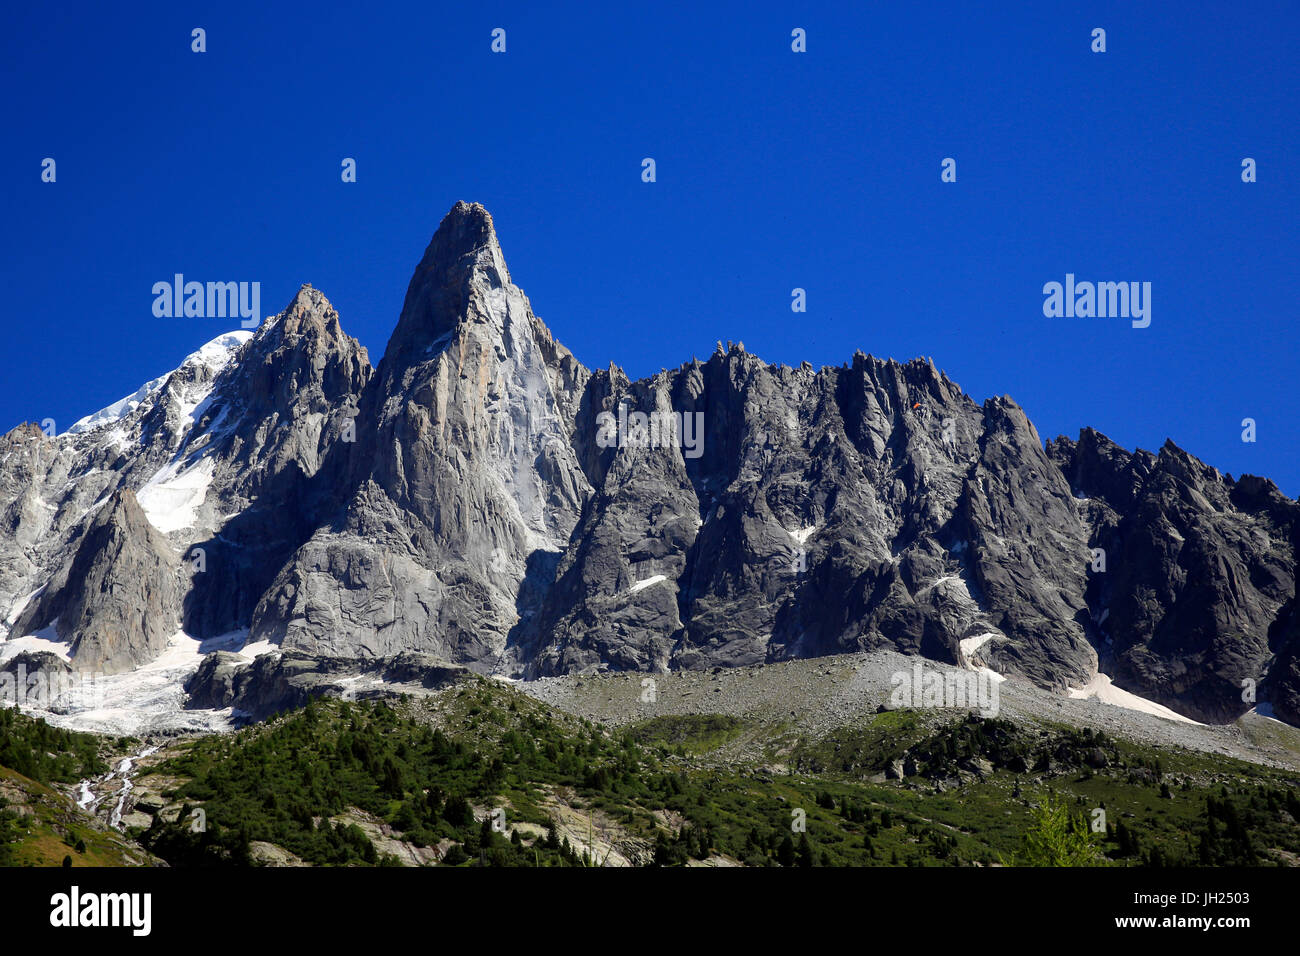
[775, 170]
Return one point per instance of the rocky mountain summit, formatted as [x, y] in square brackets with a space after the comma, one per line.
[480, 499]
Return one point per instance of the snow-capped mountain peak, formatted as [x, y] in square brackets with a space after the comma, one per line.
[212, 355]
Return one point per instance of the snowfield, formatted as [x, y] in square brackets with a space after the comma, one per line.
[44, 641]
[969, 645]
[150, 699]
[1105, 691]
[171, 498]
[119, 409]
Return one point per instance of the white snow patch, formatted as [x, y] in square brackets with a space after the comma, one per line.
[151, 698]
[357, 684]
[945, 580]
[118, 438]
[642, 585]
[969, 645]
[172, 497]
[217, 353]
[803, 534]
[257, 649]
[44, 641]
[1105, 691]
[21, 605]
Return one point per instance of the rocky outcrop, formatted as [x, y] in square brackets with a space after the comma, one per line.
[117, 601]
[274, 683]
[215, 684]
[1199, 571]
[1282, 688]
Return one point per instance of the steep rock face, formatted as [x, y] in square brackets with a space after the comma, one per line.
[615, 600]
[53, 487]
[1282, 690]
[220, 456]
[26, 457]
[464, 481]
[867, 506]
[1198, 570]
[276, 438]
[289, 398]
[481, 499]
[1028, 552]
[118, 599]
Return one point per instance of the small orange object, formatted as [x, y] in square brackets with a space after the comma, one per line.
[916, 406]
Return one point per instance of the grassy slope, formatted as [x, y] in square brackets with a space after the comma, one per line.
[40, 825]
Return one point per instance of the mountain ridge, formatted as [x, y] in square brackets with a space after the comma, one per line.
[456, 501]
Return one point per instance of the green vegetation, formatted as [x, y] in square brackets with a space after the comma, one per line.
[485, 776]
[9, 833]
[977, 792]
[47, 754]
[1059, 836]
[37, 825]
[687, 733]
[40, 826]
[284, 783]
